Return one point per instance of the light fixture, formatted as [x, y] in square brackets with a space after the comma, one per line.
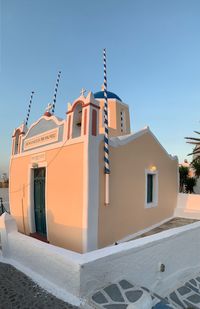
[153, 168]
[35, 165]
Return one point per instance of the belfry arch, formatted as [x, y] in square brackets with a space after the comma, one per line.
[16, 143]
[77, 120]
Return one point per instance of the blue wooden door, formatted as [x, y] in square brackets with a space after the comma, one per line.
[39, 201]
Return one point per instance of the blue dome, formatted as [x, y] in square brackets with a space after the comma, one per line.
[111, 95]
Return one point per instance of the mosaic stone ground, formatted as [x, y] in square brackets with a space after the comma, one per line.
[120, 294]
[17, 291]
[175, 222]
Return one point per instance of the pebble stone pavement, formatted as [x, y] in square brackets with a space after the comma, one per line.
[17, 291]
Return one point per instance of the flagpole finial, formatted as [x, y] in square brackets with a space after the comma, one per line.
[55, 92]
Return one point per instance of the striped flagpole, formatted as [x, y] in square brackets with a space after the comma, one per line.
[55, 92]
[29, 108]
[106, 144]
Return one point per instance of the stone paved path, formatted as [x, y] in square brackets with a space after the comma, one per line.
[17, 291]
[120, 294]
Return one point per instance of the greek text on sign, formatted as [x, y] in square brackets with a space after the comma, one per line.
[41, 139]
[38, 157]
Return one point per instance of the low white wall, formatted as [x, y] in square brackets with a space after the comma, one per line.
[139, 261]
[71, 276]
[54, 268]
[188, 206]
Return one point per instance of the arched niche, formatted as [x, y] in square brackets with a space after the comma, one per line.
[77, 120]
[16, 144]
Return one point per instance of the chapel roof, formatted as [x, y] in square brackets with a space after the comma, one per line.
[110, 95]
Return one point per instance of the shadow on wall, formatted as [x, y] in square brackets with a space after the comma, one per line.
[65, 236]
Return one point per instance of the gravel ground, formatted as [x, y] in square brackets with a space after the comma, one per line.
[17, 291]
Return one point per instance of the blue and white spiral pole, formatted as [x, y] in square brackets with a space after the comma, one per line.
[106, 142]
[29, 108]
[55, 92]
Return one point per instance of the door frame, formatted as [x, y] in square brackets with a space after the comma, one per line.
[31, 212]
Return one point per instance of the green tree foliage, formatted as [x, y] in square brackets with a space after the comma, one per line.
[195, 164]
[194, 141]
[183, 173]
[189, 184]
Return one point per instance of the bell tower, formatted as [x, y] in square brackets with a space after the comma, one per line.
[118, 114]
[83, 126]
[83, 117]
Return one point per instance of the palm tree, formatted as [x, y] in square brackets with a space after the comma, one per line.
[195, 164]
[194, 141]
[183, 172]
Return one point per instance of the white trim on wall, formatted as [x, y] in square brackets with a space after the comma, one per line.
[118, 141]
[154, 203]
[53, 118]
[91, 186]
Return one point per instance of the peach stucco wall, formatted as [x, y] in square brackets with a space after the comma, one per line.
[64, 194]
[114, 107]
[126, 213]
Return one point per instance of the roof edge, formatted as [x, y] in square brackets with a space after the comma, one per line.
[125, 139]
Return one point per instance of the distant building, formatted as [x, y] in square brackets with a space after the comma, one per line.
[58, 186]
[4, 177]
[4, 181]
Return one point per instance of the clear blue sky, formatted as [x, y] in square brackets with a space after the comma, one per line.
[153, 60]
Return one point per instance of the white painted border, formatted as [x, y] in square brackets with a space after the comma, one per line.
[155, 189]
[125, 139]
[91, 186]
[30, 204]
[54, 118]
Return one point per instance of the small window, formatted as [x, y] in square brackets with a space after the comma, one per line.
[151, 198]
[122, 121]
[150, 188]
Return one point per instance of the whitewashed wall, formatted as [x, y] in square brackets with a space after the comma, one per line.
[139, 260]
[188, 206]
[54, 268]
[71, 276]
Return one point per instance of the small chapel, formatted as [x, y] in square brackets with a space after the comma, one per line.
[86, 181]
